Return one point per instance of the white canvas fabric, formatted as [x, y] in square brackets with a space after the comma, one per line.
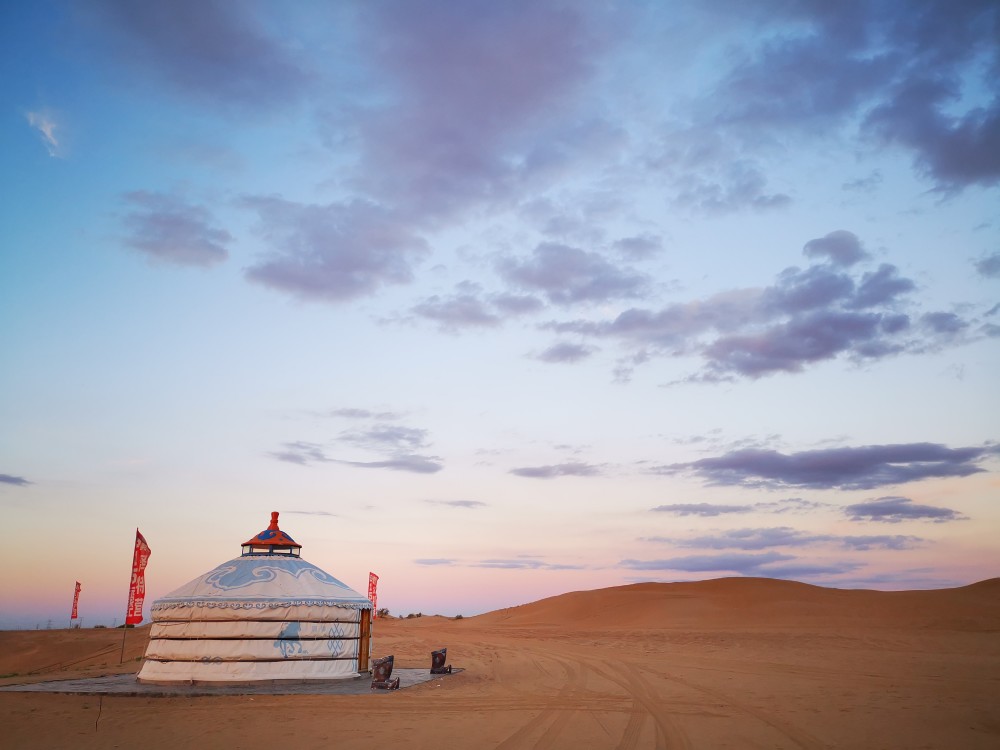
[231, 671]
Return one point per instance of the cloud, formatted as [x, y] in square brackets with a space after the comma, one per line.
[881, 541]
[727, 186]
[434, 561]
[13, 480]
[917, 76]
[167, 229]
[333, 253]
[311, 513]
[395, 442]
[702, 509]
[867, 184]
[459, 503]
[806, 316]
[860, 468]
[943, 322]
[639, 247]
[895, 509]
[388, 437]
[524, 564]
[568, 275]
[212, 50]
[301, 453]
[517, 304]
[955, 151]
[565, 352]
[355, 413]
[989, 266]
[881, 287]
[457, 311]
[751, 539]
[411, 463]
[558, 470]
[463, 84]
[747, 564]
[45, 123]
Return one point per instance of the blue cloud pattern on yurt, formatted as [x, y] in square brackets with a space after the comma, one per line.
[229, 577]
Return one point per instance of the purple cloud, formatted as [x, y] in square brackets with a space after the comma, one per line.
[920, 74]
[557, 470]
[865, 467]
[333, 253]
[568, 275]
[468, 504]
[639, 247]
[564, 352]
[387, 437]
[216, 51]
[702, 509]
[746, 564]
[167, 229]
[751, 539]
[881, 287]
[465, 80]
[895, 509]
[13, 480]
[989, 266]
[458, 311]
[406, 462]
[807, 316]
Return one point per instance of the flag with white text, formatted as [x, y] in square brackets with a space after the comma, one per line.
[372, 594]
[137, 588]
[76, 600]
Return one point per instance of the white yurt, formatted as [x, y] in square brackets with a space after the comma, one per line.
[265, 615]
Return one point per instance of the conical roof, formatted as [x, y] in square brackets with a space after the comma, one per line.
[260, 581]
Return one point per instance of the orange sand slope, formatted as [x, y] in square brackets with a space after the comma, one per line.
[740, 663]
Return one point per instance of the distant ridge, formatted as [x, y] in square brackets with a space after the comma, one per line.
[740, 603]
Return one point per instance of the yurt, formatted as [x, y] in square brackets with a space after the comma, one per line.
[265, 615]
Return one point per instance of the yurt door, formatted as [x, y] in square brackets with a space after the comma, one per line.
[364, 646]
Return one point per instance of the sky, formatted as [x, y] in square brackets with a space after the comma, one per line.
[498, 300]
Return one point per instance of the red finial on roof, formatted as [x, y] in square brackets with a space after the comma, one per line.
[271, 537]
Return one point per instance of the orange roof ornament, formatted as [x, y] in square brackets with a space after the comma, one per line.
[272, 541]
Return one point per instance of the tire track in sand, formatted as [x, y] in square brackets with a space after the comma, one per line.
[794, 733]
[645, 702]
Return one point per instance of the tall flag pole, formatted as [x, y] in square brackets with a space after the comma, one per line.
[372, 593]
[137, 587]
[76, 601]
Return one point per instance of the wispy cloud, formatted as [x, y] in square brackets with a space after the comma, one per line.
[861, 468]
[895, 509]
[572, 469]
[14, 480]
[166, 228]
[458, 503]
[47, 126]
[702, 509]
[752, 539]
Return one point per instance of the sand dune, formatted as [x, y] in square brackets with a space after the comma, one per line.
[739, 663]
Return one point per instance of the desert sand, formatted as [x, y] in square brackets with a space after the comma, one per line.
[730, 663]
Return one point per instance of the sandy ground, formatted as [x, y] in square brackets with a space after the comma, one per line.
[733, 663]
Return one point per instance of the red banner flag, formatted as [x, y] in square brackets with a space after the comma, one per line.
[76, 600]
[372, 595]
[137, 588]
